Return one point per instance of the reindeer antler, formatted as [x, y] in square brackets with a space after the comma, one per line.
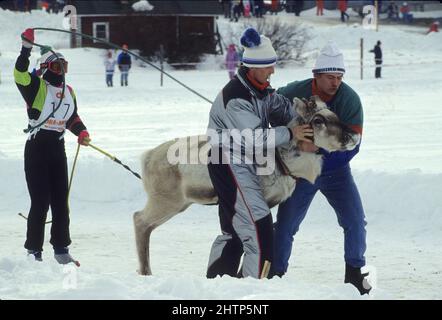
[305, 101]
[312, 102]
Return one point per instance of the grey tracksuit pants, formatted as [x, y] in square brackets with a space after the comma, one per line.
[245, 219]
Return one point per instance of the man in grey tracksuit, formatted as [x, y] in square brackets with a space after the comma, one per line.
[246, 103]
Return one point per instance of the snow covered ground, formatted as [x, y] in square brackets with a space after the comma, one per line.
[398, 171]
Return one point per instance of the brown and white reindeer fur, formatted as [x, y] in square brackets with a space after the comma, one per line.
[172, 188]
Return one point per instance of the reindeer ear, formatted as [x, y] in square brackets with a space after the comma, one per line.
[298, 102]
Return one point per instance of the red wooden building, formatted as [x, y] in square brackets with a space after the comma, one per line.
[186, 29]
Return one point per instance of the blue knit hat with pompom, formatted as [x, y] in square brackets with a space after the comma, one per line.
[258, 50]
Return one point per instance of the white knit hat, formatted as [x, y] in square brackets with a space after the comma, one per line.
[330, 60]
[258, 50]
[49, 56]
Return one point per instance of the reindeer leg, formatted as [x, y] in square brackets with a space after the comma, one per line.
[156, 212]
[142, 238]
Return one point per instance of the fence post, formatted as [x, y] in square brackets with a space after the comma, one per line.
[362, 58]
[161, 63]
[376, 14]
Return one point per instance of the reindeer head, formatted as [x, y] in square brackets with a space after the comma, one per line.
[329, 132]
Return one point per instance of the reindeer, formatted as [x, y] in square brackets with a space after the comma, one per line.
[172, 188]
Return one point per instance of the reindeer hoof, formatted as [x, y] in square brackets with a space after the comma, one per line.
[144, 273]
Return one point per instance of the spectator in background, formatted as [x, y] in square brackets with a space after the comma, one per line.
[342, 6]
[124, 65]
[247, 8]
[227, 8]
[289, 5]
[259, 8]
[19, 5]
[252, 7]
[407, 16]
[274, 7]
[45, 6]
[319, 7]
[377, 59]
[232, 60]
[393, 11]
[298, 5]
[236, 10]
[58, 5]
[110, 63]
[434, 27]
[379, 6]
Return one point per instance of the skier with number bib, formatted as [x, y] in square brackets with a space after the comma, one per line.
[45, 158]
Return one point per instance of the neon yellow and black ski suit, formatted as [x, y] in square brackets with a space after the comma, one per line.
[45, 157]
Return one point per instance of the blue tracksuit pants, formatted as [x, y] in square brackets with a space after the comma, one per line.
[341, 192]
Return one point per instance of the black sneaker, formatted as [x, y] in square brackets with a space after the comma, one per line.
[355, 277]
[37, 255]
[273, 273]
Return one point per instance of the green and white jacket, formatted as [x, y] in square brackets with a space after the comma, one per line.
[42, 98]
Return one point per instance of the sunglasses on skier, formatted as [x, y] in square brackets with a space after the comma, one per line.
[56, 66]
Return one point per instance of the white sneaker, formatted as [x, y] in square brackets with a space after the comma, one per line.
[36, 254]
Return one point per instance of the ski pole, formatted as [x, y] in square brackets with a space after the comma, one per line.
[113, 158]
[130, 52]
[72, 174]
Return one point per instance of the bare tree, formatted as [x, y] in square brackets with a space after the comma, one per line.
[289, 40]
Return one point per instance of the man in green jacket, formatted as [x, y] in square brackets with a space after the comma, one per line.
[336, 181]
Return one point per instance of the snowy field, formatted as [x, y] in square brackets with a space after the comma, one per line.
[398, 171]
